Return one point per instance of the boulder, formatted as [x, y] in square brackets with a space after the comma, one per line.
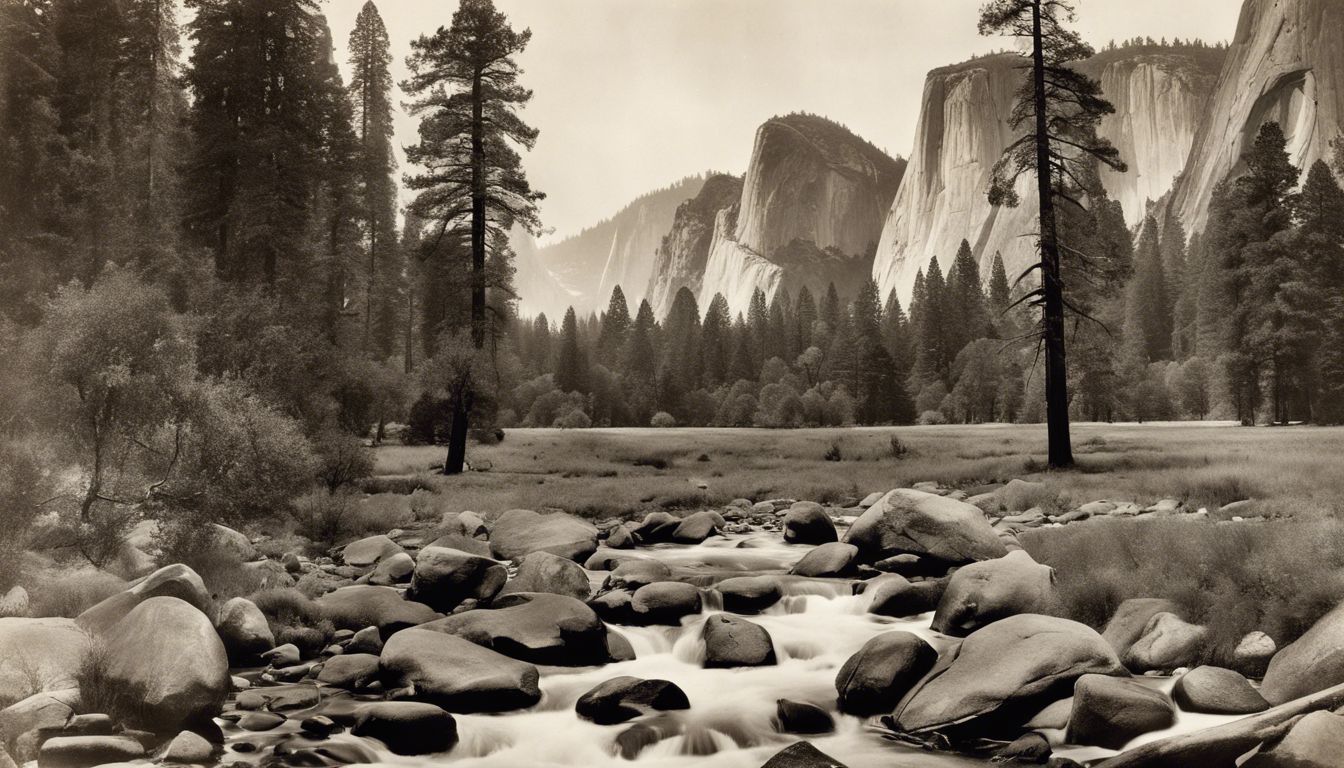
[897, 596]
[910, 566]
[169, 581]
[635, 573]
[456, 674]
[989, 590]
[282, 656]
[40, 710]
[1031, 748]
[749, 594]
[807, 523]
[1217, 691]
[260, 722]
[802, 755]
[166, 654]
[444, 578]
[633, 740]
[876, 678]
[622, 537]
[234, 542]
[801, 717]
[463, 543]
[1252, 654]
[1110, 711]
[657, 527]
[188, 747]
[1131, 618]
[1006, 672]
[732, 641]
[536, 627]
[407, 727]
[244, 630]
[544, 572]
[369, 550]
[1315, 741]
[360, 606]
[520, 532]
[614, 606]
[38, 655]
[395, 569]
[697, 527]
[352, 671]
[279, 698]
[664, 602]
[465, 523]
[828, 560]
[88, 751]
[618, 647]
[1019, 494]
[871, 499]
[622, 698]
[921, 523]
[1168, 642]
[1314, 662]
[365, 640]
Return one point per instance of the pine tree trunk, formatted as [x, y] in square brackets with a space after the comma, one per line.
[1060, 453]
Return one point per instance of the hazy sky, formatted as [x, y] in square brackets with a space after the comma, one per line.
[634, 94]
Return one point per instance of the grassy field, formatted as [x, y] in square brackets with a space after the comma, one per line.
[626, 472]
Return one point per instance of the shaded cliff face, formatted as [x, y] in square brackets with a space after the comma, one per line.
[812, 188]
[1160, 94]
[1285, 64]
[618, 251]
[680, 261]
[540, 289]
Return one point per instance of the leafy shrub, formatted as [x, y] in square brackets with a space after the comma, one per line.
[899, 450]
[98, 692]
[294, 618]
[833, 452]
[662, 420]
[321, 516]
[403, 484]
[575, 419]
[928, 418]
[342, 460]
[428, 421]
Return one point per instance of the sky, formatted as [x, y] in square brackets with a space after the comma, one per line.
[631, 95]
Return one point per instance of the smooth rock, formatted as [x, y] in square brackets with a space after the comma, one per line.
[1131, 617]
[395, 569]
[697, 527]
[665, 602]
[635, 573]
[1168, 642]
[731, 641]
[1030, 748]
[544, 572]
[807, 523]
[244, 630]
[188, 747]
[1218, 691]
[989, 590]
[359, 606]
[407, 727]
[352, 671]
[883, 671]
[801, 717]
[622, 537]
[369, 550]
[260, 722]
[622, 698]
[894, 595]
[41, 710]
[657, 527]
[749, 594]
[444, 578]
[88, 751]
[1315, 741]
[520, 532]
[1313, 662]
[282, 656]
[456, 674]
[1110, 711]
[536, 627]
[1252, 654]
[365, 640]
[828, 560]
[170, 581]
[921, 523]
[802, 755]
[39, 655]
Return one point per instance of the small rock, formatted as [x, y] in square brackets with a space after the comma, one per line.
[731, 641]
[1030, 747]
[828, 560]
[261, 721]
[319, 726]
[87, 751]
[665, 602]
[544, 572]
[1217, 691]
[633, 574]
[368, 551]
[286, 655]
[407, 727]
[697, 527]
[1168, 642]
[802, 755]
[749, 594]
[352, 671]
[188, 747]
[622, 698]
[807, 523]
[1252, 655]
[801, 717]
[873, 680]
[365, 640]
[396, 569]
[244, 630]
[1110, 711]
[894, 595]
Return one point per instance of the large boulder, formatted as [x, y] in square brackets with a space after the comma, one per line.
[169, 581]
[395, 569]
[38, 655]
[802, 755]
[635, 573]
[536, 627]
[657, 527]
[828, 560]
[520, 532]
[807, 523]
[359, 606]
[696, 527]
[802, 717]
[622, 698]
[407, 727]
[749, 594]
[88, 751]
[1217, 691]
[444, 578]
[166, 655]
[1131, 618]
[41, 710]
[244, 630]
[919, 523]
[1315, 741]
[1314, 662]
[876, 678]
[368, 551]
[544, 572]
[1005, 673]
[989, 590]
[732, 641]
[893, 595]
[352, 671]
[456, 674]
[665, 602]
[1253, 653]
[1110, 711]
[1168, 642]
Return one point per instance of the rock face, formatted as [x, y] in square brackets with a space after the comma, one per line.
[1314, 662]
[533, 626]
[166, 654]
[982, 592]
[1285, 64]
[456, 674]
[919, 523]
[680, 261]
[810, 213]
[618, 251]
[1160, 94]
[875, 679]
[175, 580]
[520, 532]
[1006, 672]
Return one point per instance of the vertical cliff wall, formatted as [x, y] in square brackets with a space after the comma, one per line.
[681, 258]
[1286, 63]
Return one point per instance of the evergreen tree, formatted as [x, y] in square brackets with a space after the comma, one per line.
[464, 82]
[1147, 299]
[615, 329]
[541, 351]
[371, 96]
[571, 362]
[896, 336]
[805, 317]
[1059, 107]
[867, 313]
[743, 367]
[758, 322]
[777, 337]
[716, 343]
[966, 301]
[933, 359]
[999, 300]
[679, 368]
[1173, 248]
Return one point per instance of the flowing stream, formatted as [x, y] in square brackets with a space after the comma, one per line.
[730, 724]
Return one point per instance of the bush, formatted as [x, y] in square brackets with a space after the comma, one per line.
[321, 516]
[899, 450]
[428, 419]
[833, 453]
[575, 419]
[196, 543]
[928, 418]
[662, 420]
[342, 460]
[98, 692]
[294, 618]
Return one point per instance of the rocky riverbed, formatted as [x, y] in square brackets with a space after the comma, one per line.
[907, 630]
